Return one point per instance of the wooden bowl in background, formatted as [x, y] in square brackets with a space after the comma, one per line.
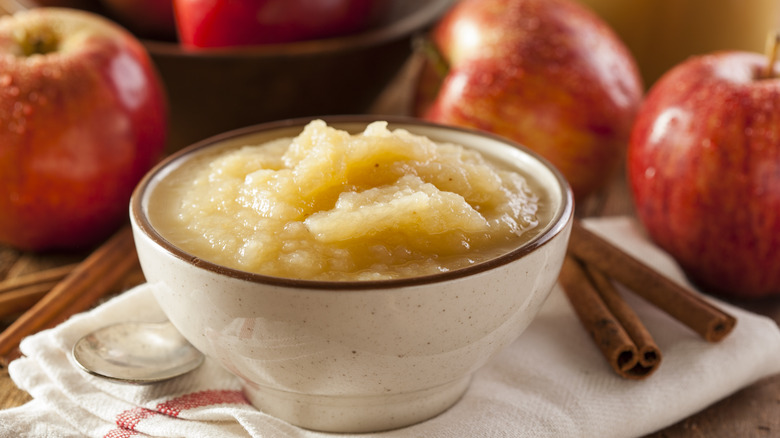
[216, 90]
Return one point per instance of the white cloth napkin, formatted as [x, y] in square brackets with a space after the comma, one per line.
[551, 382]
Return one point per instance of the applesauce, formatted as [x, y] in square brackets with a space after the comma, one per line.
[330, 205]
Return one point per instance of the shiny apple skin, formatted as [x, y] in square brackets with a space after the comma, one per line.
[80, 127]
[548, 74]
[230, 23]
[704, 170]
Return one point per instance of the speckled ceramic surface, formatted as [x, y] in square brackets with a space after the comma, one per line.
[349, 356]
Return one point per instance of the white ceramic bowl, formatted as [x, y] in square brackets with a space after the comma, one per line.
[357, 356]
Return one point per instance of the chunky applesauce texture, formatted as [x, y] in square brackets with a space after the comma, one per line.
[328, 205]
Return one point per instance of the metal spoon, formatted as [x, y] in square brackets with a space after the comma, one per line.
[136, 352]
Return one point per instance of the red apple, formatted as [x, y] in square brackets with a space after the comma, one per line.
[704, 169]
[224, 23]
[84, 116]
[145, 18]
[548, 74]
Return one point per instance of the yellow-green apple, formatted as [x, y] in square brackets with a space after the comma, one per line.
[704, 170]
[549, 74]
[83, 116]
[145, 18]
[225, 23]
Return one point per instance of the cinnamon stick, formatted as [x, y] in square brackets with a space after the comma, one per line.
[20, 299]
[606, 325]
[20, 293]
[109, 279]
[90, 280]
[43, 276]
[682, 304]
[649, 355]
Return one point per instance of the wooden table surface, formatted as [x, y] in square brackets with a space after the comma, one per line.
[751, 412]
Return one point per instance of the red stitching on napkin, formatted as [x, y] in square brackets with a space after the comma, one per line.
[204, 398]
[129, 419]
[119, 433]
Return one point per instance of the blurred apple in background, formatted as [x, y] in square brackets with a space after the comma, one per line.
[704, 168]
[148, 19]
[84, 116]
[225, 23]
[548, 74]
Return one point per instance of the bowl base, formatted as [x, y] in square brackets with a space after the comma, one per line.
[357, 414]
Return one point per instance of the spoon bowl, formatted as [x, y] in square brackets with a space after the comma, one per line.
[136, 352]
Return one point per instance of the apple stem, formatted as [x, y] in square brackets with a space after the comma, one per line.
[39, 43]
[424, 45]
[772, 45]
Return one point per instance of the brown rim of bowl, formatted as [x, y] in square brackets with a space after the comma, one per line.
[556, 226]
[405, 25]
